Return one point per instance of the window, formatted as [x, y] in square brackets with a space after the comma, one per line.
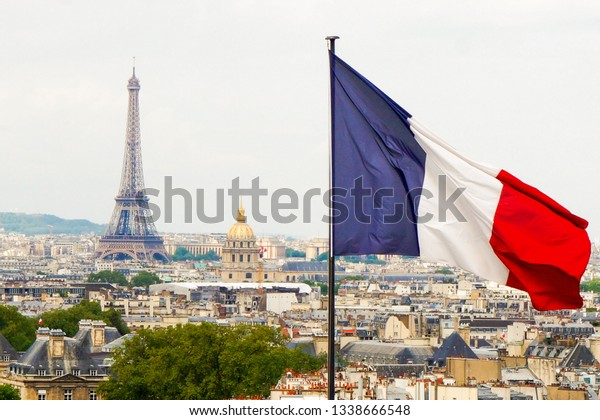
[266, 276]
[230, 275]
[248, 258]
[41, 372]
[248, 275]
[68, 394]
[232, 257]
[60, 372]
[93, 395]
[241, 258]
[93, 373]
[6, 357]
[76, 372]
[41, 395]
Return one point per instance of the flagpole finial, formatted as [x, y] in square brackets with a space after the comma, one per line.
[331, 42]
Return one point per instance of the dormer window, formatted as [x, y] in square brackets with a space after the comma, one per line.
[41, 372]
[93, 372]
[60, 372]
[76, 372]
[6, 358]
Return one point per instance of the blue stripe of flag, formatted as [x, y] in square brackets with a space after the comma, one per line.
[377, 169]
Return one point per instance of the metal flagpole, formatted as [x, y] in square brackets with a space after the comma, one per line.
[331, 261]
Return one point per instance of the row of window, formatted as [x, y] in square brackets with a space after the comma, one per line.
[241, 258]
[67, 394]
[243, 245]
[74, 372]
[58, 372]
[249, 276]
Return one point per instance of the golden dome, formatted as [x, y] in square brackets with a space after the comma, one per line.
[241, 231]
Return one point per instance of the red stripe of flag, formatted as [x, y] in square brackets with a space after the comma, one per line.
[544, 246]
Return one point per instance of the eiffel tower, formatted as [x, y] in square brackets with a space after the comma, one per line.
[131, 233]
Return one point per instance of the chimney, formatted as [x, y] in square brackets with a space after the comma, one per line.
[465, 334]
[85, 323]
[595, 347]
[56, 345]
[42, 332]
[98, 328]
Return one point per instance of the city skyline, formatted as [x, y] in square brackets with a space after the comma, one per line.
[246, 95]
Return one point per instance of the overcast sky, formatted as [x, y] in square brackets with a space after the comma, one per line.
[240, 89]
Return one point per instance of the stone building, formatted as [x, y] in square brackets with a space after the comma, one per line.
[240, 253]
[240, 259]
[7, 353]
[57, 367]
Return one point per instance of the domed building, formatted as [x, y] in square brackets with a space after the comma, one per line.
[240, 252]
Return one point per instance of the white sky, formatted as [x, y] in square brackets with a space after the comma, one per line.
[240, 88]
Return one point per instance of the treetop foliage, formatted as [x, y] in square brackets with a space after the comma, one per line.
[293, 253]
[203, 361]
[107, 276]
[16, 328]
[9, 392]
[68, 319]
[145, 279]
[19, 330]
[182, 254]
[591, 286]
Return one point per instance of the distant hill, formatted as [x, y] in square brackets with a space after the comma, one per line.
[39, 224]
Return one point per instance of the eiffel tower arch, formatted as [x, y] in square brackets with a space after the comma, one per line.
[131, 233]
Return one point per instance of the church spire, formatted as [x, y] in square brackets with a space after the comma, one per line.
[241, 216]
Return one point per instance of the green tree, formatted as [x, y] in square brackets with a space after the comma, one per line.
[107, 276]
[145, 279]
[355, 277]
[591, 286]
[372, 259]
[68, 319]
[113, 318]
[323, 256]
[8, 392]
[16, 328]
[209, 256]
[182, 254]
[203, 361]
[292, 253]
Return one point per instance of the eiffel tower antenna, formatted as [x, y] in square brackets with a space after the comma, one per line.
[131, 233]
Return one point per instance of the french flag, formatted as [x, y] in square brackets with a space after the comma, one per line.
[399, 189]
